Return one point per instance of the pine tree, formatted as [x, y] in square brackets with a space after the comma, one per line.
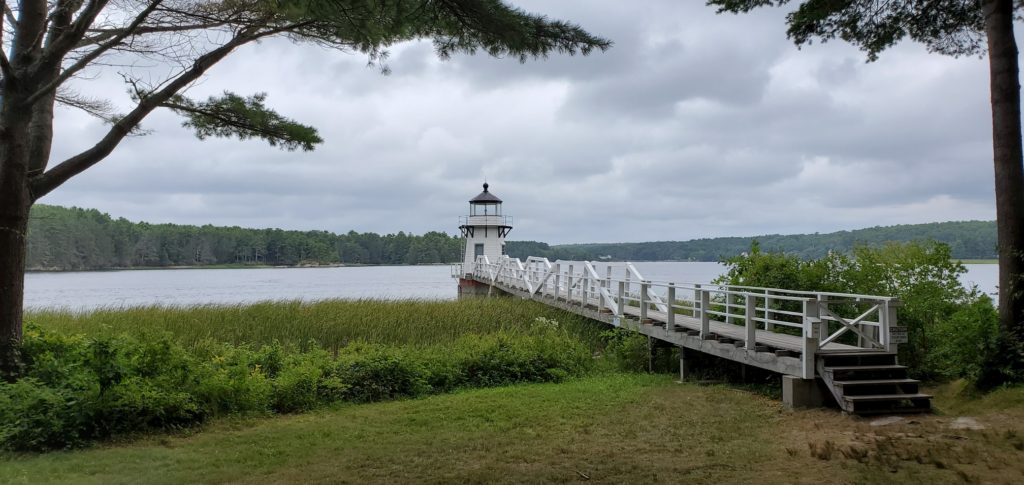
[52, 41]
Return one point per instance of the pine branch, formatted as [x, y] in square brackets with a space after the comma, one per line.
[233, 115]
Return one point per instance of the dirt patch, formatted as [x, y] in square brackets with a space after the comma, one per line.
[913, 448]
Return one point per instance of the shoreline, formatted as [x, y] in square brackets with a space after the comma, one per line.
[346, 265]
[226, 266]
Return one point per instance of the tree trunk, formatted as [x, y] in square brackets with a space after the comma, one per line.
[15, 201]
[1009, 168]
[13, 224]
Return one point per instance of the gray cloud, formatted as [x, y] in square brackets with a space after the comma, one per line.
[693, 125]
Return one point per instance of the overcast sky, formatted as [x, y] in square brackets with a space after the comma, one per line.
[692, 125]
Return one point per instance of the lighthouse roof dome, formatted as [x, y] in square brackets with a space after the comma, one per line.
[485, 197]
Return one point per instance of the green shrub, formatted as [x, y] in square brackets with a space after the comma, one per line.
[625, 350]
[233, 382]
[79, 389]
[375, 373]
[306, 381]
[501, 359]
[34, 416]
[950, 328]
[967, 341]
[137, 403]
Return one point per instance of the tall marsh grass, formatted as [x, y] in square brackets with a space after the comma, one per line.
[91, 376]
[331, 323]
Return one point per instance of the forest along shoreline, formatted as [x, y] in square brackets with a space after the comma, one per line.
[229, 266]
[75, 239]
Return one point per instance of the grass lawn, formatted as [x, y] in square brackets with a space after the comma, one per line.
[611, 429]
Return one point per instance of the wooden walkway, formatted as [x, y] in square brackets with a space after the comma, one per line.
[803, 334]
[781, 324]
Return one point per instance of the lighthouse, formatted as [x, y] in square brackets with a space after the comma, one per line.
[484, 231]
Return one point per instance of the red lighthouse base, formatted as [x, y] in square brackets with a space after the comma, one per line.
[472, 288]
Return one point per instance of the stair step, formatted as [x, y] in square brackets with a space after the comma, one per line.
[848, 359]
[853, 354]
[875, 382]
[886, 397]
[865, 367]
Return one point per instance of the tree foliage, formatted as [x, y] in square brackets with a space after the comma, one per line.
[966, 239]
[243, 117]
[65, 239]
[951, 27]
[952, 330]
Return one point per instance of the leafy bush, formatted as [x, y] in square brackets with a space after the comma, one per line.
[306, 381]
[233, 382]
[967, 341]
[494, 360]
[34, 416]
[79, 389]
[950, 328]
[625, 350]
[377, 373]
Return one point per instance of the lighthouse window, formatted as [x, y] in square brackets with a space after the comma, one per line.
[502, 249]
[478, 250]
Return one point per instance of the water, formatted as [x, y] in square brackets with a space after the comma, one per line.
[94, 289]
[90, 290]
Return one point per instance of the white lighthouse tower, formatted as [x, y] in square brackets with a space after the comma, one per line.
[484, 230]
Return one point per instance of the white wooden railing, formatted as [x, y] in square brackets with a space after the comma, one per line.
[820, 319]
[485, 220]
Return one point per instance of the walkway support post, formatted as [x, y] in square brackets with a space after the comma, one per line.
[728, 306]
[705, 317]
[558, 280]
[822, 324]
[811, 336]
[696, 301]
[751, 308]
[585, 288]
[620, 310]
[768, 325]
[608, 279]
[644, 286]
[670, 318]
[888, 310]
[685, 364]
[568, 285]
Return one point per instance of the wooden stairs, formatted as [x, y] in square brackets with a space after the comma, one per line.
[871, 384]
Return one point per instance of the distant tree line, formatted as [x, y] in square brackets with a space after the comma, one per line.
[63, 238]
[966, 240]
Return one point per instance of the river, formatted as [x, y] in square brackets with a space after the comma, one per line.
[97, 289]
